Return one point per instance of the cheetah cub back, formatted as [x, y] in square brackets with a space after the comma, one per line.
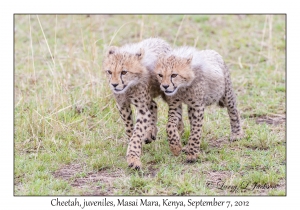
[131, 77]
[199, 79]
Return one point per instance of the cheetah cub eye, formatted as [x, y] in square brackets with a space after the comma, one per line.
[109, 72]
[123, 72]
[160, 75]
[174, 75]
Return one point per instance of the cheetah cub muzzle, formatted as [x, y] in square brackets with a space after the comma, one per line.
[199, 79]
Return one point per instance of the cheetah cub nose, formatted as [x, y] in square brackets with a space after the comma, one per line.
[165, 86]
[115, 85]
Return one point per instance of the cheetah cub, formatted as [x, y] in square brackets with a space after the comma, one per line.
[199, 79]
[132, 79]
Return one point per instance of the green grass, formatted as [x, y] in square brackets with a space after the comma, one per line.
[70, 140]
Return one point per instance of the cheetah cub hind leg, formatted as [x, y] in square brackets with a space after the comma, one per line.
[185, 149]
[231, 104]
[151, 131]
[180, 127]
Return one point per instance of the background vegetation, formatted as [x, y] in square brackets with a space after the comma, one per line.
[69, 138]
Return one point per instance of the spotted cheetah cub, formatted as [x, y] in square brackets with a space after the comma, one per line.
[199, 79]
[133, 81]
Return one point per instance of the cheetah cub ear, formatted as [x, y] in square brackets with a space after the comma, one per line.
[140, 54]
[189, 59]
[112, 50]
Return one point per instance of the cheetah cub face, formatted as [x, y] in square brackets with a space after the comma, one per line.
[123, 69]
[174, 72]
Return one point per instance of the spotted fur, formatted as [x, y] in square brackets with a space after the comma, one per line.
[131, 77]
[199, 79]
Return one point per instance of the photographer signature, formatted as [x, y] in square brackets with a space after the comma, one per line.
[243, 186]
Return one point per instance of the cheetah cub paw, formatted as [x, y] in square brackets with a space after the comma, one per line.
[185, 149]
[236, 136]
[176, 149]
[151, 133]
[192, 157]
[134, 162]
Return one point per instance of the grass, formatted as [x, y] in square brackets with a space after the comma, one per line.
[69, 138]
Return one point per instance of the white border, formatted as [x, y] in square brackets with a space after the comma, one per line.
[128, 6]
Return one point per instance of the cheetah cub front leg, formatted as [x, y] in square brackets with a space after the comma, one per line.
[180, 125]
[192, 149]
[141, 133]
[175, 126]
[126, 115]
[134, 150]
